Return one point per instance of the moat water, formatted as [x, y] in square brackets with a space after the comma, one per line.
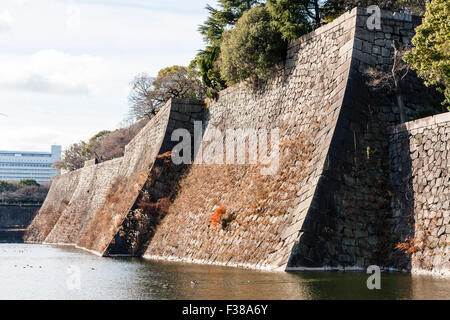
[48, 272]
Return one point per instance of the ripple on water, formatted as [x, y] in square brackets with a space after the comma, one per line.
[48, 272]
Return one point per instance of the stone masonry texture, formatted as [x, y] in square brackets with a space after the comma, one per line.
[16, 216]
[336, 201]
[87, 206]
[420, 176]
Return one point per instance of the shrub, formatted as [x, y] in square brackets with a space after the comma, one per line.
[6, 186]
[29, 183]
[103, 146]
[252, 49]
[408, 246]
[430, 56]
[23, 193]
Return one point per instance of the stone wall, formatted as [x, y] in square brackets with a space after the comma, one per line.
[335, 215]
[349, 222]
[86, 207]
[161, 187]
[304, 100]
[420, 176]
[89, 195]
[327, 206]
[12, 216]
[58, 197]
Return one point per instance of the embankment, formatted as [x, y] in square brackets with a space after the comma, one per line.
[86, 207]
[329, 204]
[14, 219]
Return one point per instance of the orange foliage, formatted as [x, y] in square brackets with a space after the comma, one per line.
[167, 157]
[409, 246]
[217, 217]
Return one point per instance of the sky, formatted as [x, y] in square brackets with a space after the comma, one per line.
[66, 65]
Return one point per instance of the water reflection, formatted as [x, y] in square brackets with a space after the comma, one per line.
[187, 281]
[40, 272]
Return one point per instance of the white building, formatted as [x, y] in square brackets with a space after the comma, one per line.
[18, 165]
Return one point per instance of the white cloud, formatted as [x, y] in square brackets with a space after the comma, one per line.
[73, 17]
[52, 71]
[80, 86]
[33, 135]
[5, 21]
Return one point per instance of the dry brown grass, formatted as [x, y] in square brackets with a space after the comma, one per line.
[158, 208]
[242, 187]
[257, 207]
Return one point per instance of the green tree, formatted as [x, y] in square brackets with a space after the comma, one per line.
[219, 19]
[430, 56]
[28, 183]
[252, 49]
[75, 156]
[332, 9]
[178, 82]
[206, 62]
[6, 186]
[89, 150]
[226, 16]
[292, 17]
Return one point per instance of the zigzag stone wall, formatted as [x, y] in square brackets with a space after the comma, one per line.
[305, 100]
[335, 216]
[328, 205]
[349, 223]
[86, 207]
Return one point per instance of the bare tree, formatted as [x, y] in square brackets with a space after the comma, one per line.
[391, 81]
[399, 71]
[104, 146]
[149, 94]
[112, 145]
[17, 193]
[74, 157]
[143, 100]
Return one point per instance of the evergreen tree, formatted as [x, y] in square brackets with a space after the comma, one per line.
[292, 18]
[430, 56]
[252, 49]
[220, 19]
[225, 16]
[334, 8]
